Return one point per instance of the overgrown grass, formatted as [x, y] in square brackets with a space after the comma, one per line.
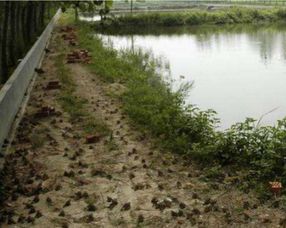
[255, 154]
[75, 105]
[233, 15]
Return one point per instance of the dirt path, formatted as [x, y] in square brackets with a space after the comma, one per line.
[55, 179]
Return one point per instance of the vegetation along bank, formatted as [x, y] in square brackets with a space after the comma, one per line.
[254, 155]
[232, 15]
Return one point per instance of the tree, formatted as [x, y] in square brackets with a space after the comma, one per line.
[90, 6]
[4, 59]
[20, 23]
[131, 5]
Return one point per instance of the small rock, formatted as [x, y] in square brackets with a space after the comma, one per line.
[196, 211]
[91, 207]
[38, 214]
[11, 221]
[255, 206]
[265, 218]
[170, 170]
[85, 195]
[30, 219]
[78, 195]
[92, 139]
[126, 207]
[182, 205]
[177, 213]
[139, 186]
[195, 195]
[21, 219]
[36, 199]
[49, 200]
[246, 216]
[275, 204]
[160, 173]
[207, 209]
[140, 219]
[65, 225]
[179, 184]
[89, 218]
[68, 203]
[32, 210]
[69, 173]
[282, 222]
[58, 187]
[131, 176]
[62, 213]
[113, 203]
[160, 187]
[246, 205]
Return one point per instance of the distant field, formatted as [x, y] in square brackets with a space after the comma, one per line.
[166, 4]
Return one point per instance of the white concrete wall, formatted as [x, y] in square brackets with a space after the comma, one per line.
[12, 94]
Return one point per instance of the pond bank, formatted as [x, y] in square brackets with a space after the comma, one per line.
[233, 15]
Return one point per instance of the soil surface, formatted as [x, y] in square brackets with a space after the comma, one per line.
[55, 179]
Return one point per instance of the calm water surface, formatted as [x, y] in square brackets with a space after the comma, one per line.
[239, 71]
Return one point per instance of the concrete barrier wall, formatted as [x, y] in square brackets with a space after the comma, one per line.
[12, 94]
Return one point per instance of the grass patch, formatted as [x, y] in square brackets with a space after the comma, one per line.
[74, 105]
[111, 145]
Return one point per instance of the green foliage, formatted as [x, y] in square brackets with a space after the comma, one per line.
[214, 172]
[262, 150]
[111, 144]
[94, 125]
[197, 17]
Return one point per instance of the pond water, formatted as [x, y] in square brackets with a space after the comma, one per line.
[239, 71]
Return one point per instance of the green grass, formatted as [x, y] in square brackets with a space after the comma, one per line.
[255, 154]
[162, 4]
[74, 105]
[232, 15]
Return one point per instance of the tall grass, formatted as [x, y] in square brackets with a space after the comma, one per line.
[198, 17]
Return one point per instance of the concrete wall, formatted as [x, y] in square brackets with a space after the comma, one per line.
[12, 94]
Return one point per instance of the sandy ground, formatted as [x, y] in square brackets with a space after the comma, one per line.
[55, 179]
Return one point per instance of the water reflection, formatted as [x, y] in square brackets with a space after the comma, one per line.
[239, 71]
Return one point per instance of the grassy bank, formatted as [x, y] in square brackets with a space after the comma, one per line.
[251, 155]
[233, 15]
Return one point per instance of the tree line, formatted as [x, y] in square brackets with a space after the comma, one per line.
[22, 21]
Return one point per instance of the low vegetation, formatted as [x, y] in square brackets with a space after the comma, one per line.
[74, 105]
[252, 154]
[198, 17]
